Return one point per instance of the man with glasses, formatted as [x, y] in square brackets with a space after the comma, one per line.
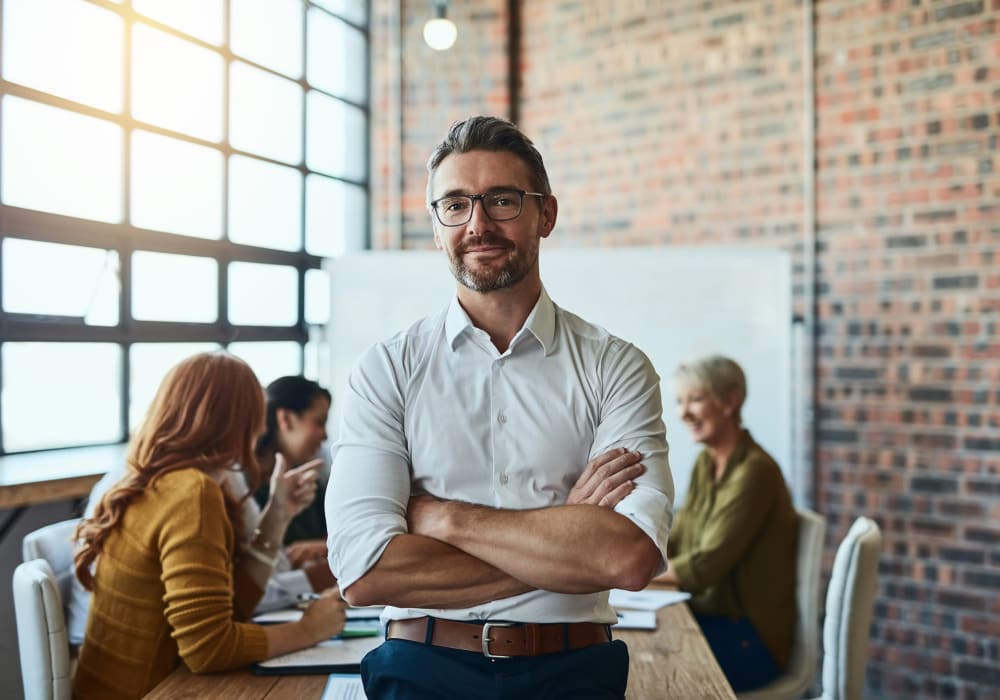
[501, 464]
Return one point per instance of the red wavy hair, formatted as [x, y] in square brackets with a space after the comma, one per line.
[207, 414]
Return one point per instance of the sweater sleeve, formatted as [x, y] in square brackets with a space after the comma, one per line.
[741, 507]
[196, 548]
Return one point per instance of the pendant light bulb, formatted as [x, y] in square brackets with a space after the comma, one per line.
[440, 32]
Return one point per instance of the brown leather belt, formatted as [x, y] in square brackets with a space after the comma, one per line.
[501, 640]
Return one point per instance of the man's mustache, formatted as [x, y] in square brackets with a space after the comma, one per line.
[483, 240]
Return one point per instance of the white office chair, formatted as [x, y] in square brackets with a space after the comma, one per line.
[54, 544]
[804, 662]
[849, 602]
[42, 638]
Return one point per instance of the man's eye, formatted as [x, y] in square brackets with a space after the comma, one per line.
[455, 205]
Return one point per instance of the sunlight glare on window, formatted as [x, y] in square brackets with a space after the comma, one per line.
[176, 186]
[263, 295]
[60, 280]
[335, 217]
[317, 293]
[336, 58]
[68, 48]
[265, 114]
[60, 394]
[176, 84]
[61, 162]
[203, 19]
[265, 204]
[269, 360]
[167, 287]
[269, 33]
[148, 365]
[335, 137]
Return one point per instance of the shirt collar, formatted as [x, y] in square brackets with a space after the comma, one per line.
[541, 322]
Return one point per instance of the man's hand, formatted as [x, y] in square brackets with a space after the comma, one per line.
[607, 478]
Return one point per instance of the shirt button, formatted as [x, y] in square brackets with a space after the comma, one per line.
[504, 479]
[499, 363]
[502, 418]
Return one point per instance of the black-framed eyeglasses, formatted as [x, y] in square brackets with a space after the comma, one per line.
[499, 205]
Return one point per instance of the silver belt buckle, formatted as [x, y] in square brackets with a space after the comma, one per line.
[487, 639]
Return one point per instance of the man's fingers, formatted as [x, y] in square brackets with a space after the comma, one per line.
[616, 495]
[302, 468]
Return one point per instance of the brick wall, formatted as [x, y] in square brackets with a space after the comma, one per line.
[679, 123]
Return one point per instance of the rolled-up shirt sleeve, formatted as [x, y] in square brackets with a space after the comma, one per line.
[632, 417]
[369, 486]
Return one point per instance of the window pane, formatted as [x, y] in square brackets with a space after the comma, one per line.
[59, 394]
[335, 137]
[168, 287]
[314, 353]
[149, 364]
[176, 84]
[263, 295]
[176, 186]
[265, 114]
[317, 297]
[336, 60]
[61, 162]
[354, 10]
[269, 360]
[335, 217]
[265, 204]
[65, 47]
[61, 280]
[268, 32]
[199, 18]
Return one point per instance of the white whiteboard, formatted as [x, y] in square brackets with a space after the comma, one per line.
[673, 303]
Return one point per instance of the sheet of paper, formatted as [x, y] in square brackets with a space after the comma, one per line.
[636, 620]
[344, 686]
[293, 614]
[645, 600]
[333, 652]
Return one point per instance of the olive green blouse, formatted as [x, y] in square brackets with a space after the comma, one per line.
[733, 545]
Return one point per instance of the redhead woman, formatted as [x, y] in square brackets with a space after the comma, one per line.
[171, 581]
[733, 544]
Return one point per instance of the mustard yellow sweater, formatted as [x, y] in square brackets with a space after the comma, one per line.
[164, 591]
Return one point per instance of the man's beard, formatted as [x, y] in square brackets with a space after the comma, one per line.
[516, 267]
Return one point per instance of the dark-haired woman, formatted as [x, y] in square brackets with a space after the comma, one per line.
[297, 411]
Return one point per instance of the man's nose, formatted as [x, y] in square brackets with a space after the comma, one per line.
[480, 220]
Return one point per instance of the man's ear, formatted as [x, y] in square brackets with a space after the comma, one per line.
[550, 212]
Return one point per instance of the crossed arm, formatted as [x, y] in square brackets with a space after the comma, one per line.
[459, 554]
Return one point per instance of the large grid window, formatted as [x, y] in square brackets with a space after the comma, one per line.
[172, 173]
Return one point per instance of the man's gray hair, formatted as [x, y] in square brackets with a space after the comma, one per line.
[489, 134]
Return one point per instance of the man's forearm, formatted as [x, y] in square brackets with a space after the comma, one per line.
[567, 549]
[420, 572]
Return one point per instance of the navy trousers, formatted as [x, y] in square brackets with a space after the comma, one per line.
[405, 670]
[739, 650]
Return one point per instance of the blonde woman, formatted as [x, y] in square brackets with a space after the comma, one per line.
[733, 543]
[170, 581]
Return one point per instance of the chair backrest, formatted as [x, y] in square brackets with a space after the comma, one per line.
[849, 602]
[41, 632]
[53, 543]
[804, 661]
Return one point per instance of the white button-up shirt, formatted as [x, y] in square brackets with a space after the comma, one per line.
[437, 409]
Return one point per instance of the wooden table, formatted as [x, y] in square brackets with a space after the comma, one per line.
[54, 475]
[672, 662]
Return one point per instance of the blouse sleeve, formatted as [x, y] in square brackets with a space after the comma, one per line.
[196, 545]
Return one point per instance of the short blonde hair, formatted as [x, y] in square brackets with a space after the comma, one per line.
[718, 375]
